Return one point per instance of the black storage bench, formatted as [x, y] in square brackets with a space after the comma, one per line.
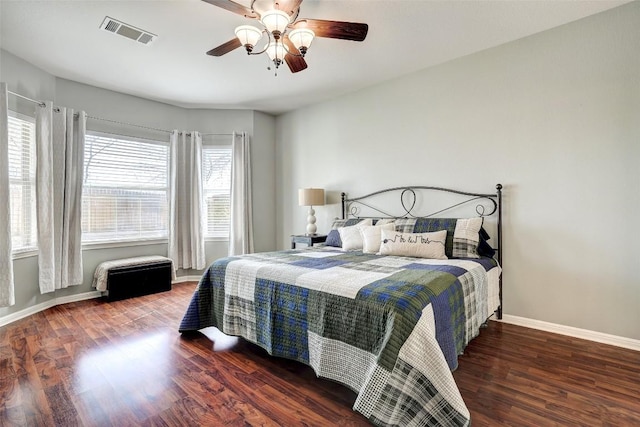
[133, 277]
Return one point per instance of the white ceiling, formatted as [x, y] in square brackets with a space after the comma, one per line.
[63, 38]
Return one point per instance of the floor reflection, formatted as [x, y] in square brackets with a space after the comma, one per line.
[129, 361]
[221, 342]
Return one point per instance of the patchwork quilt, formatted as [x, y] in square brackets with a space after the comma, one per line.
[388, 327]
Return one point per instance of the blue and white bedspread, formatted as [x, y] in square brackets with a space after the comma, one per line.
[390, 328]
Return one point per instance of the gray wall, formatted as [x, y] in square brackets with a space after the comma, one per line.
[555, 117]
[35, 83]
[264, 181]
[25, 79]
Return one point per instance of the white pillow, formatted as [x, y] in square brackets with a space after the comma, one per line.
[420, 245]
[466, 238]
[372, 237]
[350, 236]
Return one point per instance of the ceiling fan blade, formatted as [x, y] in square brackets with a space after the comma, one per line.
[227, 47]
[234, 7]
[335, 29]
[295, 63]
[289, 6]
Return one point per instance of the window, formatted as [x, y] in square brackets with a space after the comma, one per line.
[125, 189]
[216, 183]
[22, 183]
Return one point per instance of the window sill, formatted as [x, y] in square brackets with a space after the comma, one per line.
[108, 245]
[123, 244]
[25, 254]
[216, 239]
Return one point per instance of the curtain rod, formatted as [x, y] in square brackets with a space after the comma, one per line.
[128, 124]
[42, 104]
[210, 134]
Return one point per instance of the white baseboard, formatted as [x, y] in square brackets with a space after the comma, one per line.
[573, 332]
[182, 279]
[9, 318]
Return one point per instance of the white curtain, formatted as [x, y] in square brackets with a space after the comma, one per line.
[60, 152]
[186, 224]
[241, 230]
[7, 295]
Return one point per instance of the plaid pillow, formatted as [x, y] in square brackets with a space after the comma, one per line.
[459, 244]
[466, 238]
[429, 225]
[405, 225]
[337, 223]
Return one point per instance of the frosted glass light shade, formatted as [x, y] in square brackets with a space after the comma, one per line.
[276, 51]
[301, 37]
[248, 35]
[275, 20]
[311, 197]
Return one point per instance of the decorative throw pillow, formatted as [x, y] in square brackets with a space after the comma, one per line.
[333, 237]
[372, 237]
[424, 225]
[466, 238]
[484, 248]
[420, 245]
[350, 236]
[337, 223]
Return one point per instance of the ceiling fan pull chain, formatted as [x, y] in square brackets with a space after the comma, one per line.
[269, 62]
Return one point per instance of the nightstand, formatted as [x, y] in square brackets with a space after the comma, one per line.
[309, 240]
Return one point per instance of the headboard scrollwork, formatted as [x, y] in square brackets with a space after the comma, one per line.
[408, 198]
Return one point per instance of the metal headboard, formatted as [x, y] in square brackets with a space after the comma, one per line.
[351, 207]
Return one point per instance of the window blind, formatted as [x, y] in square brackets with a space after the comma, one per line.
[125, 189]
[22, 183]
[216, 183]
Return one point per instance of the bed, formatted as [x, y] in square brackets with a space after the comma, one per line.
[386, 315]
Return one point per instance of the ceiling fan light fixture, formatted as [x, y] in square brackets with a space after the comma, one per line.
[276, 52]
[248, 36]
[281, 34]
[275, 21]
[302, 39]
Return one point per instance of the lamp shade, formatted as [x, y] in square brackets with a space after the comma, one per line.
[301, 37]
[311, 197]
[275, 20]
[276, 51]
[248, 35]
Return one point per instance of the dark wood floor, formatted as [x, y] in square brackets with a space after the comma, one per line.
[518, 376]
[124, 363]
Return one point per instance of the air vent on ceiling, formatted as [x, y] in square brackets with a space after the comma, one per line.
[126, 30]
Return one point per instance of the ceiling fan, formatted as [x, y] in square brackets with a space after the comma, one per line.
[287, 37]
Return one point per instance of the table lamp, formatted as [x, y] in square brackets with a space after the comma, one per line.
[311, 197]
